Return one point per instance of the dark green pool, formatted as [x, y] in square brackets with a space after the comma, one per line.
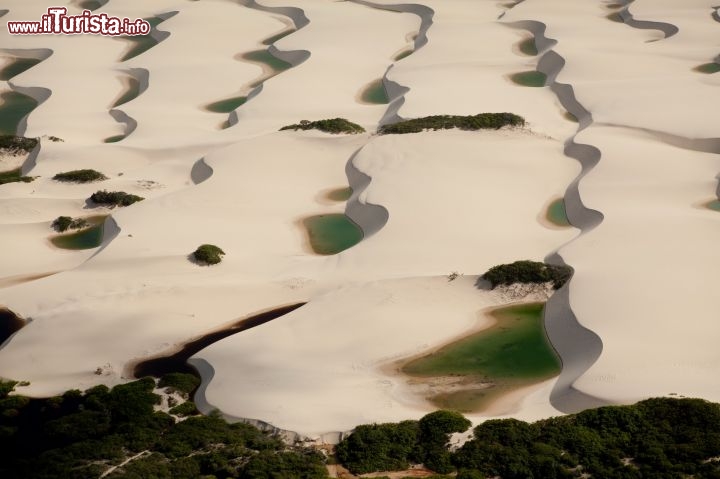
[141, 43]
[339, 194]
[227, 105]
[132, 90]
[375, 93]
[515, 352]
[332, 233]
[15, 106]
[263, 57]
[713, 205]
[17, 66]
[530, 78]
[708, 68]
[87, 238]
[556, 213]
[528, 47]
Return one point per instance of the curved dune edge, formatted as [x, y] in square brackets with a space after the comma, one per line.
[517, 2]
[668, 29]
[395, 91]
[129, 122]
[577, 346]
[40, 54]
[369, 217]
[293, 57]
[142, 77]
[200, 171]
[156, 34]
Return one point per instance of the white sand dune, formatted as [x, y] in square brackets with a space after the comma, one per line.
[430, 203]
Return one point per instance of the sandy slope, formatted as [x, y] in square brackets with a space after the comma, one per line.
[445, 201]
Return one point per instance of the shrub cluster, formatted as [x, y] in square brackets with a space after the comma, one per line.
[79, 435]
[446, 122]
[14, 176]
[528, 272]
[80, 176]
[208, 254]
[183, 382]
[657, 438]
[393, 447]
[17, 144]
[114, 198]
[64, 223]
[334, 125]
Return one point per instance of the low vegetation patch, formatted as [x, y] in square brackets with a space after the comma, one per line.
[208, 254]
[17, 144]
[80, 435]
[187, 408]
[335, 126]
[64, 223]
[656, 438]
[114, 198]
[14, 176]
[528, 272]
[446, 122]
[80, 176]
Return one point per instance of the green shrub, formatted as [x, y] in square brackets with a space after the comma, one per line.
[64, 223]
[14, 176]
[335, 126]
[208, 254]
[187, 408]
[17, 144]
[380, 447]
[528, 272]
[114, 198]
[182, 382]
[80, 176]
[446, 122]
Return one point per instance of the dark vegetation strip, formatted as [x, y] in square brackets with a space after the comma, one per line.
[493, 121]
[177, 362]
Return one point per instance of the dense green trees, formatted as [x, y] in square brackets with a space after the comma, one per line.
[114, 198]
[656, 438]
[528, 272]
[380, 447]
[80, 176]
[493, 121]
[17, 144]
[334, 125]
[81, 435]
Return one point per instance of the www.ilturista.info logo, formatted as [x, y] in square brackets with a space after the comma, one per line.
[57, 21]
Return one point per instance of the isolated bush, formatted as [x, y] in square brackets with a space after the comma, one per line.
[114, 198]
[446, 122]
[334, 125]
[80, 176]
[528, 272]
[64, 223]
[187, 408]
[209, 254]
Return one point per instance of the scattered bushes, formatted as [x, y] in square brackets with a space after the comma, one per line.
[114, 198]
[17, 144]
[64, 223]
[80, 176]
[335, 126]
[380, 447]
[528, 272]
[446, 122]
[14, 176]
[208, 254]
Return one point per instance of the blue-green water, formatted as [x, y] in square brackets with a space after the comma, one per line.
[530, 78]
[15, 106]
[332, 233]
[17, 66]
[84, 239]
